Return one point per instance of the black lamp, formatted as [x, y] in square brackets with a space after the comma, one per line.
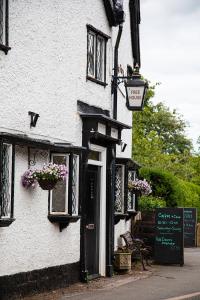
[135, 92]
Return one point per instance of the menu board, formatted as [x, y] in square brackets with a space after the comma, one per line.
[169, 247]
[190, 220]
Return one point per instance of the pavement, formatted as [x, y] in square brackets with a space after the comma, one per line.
[161, 282]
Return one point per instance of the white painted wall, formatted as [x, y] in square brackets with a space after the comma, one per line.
[45, 72]
[124, 115]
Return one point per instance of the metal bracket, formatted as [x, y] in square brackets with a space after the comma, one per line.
[34, 118]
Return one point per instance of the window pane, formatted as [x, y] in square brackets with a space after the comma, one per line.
[2, 21]
[60, 192]
[131, 195]
[119, 189]
[100, 58]
[91, 54]
[94, 155]
[75, 186]
[6, 181]
[131, 201]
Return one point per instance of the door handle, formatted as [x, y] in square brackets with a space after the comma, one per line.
[90, 226]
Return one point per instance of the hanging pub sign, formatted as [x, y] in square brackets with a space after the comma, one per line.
[135, 93]
[190, 221]
[169, 246]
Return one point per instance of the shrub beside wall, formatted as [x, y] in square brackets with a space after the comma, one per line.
[174, 191]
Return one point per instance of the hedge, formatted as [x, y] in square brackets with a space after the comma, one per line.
[174, 191]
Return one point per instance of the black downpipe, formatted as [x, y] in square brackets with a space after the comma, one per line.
[116, 71]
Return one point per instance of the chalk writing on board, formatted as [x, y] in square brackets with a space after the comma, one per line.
[169, 235]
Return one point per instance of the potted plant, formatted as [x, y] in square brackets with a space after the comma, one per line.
[47, 177]
[122, 259]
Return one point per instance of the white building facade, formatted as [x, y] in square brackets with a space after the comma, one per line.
[56, 72]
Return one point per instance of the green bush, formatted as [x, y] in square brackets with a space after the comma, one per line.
[174, 191]
[150, 203]
[164, 185]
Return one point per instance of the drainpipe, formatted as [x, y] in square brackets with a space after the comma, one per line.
[116, 72]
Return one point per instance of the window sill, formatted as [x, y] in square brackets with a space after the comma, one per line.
[131, 213]
[4, 48]
[6, 222]
[120, 216]
[97, 81]
[63, 220]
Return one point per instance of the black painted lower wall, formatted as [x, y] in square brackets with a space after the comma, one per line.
[28, 283]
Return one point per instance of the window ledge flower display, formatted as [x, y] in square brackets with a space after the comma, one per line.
[47, 177]
[140, 186]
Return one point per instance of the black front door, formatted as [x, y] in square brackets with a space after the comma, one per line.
[92, 220]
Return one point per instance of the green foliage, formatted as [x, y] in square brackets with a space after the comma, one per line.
[170, 164]
[174, 191]
[159, 141]
[164, 185]
[150, 203]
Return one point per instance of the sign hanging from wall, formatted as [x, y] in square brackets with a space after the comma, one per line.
[169, 243]
[190, 222]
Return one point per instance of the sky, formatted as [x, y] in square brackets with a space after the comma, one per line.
[170, 54]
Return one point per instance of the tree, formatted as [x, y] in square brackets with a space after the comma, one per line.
[159, 139]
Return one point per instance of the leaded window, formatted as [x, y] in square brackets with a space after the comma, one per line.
[96, 55]
[91, 53]
[6, 181]
[131, 198]
[64, 198]
[119, 189]
[75, 185]
[4, 26]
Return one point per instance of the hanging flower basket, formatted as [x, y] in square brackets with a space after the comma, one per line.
[47, 177]
[46, 184]
[140, 187]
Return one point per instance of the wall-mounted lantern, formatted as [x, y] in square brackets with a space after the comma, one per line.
[135, 93]
[135, 90]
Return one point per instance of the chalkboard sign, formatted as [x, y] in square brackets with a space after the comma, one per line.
[169, 236]
[190, 220]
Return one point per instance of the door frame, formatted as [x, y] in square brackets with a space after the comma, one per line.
[102, 213]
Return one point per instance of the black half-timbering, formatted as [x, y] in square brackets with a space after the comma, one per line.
[4, 26]
[96, 55]
[64, 204]
[126, 201]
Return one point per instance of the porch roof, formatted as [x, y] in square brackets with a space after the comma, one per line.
[105, 119]
[23, 139]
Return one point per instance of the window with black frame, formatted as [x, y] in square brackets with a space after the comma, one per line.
[6, 184]
[4, 11]
[96, 55]
[64, 197]
[119, 189]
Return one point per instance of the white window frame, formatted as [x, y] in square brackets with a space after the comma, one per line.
[67, 185]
